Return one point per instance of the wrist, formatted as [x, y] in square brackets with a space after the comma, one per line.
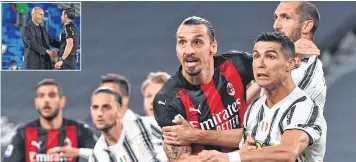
[85, 152]
[60, 59]
[234, 156]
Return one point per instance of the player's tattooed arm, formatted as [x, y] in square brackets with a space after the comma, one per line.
[178, 153]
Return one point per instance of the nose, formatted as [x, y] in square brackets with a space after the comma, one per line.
[277, 25]
[259, 62]
[189, 50]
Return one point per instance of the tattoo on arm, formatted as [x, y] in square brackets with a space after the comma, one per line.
[174, 152]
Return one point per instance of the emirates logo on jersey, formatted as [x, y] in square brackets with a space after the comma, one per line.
[230, 89]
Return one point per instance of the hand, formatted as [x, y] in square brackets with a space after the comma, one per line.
[249, 145]
[213, 156]
[182, 134]
[58, 64]
[52, 53]
[306, 47]
[68, 151]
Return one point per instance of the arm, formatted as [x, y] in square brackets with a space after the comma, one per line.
[16, 150]
[179, 153]
[292, 145]
[54, 42]
[185, 134]
[69, 41]
[28, 39]
[303, 129]
[252, 92]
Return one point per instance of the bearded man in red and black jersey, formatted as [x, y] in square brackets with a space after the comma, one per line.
[52, 137]
[208, 90]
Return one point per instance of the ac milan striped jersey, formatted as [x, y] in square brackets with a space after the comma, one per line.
[297, 111]
[31, 141]
[217, 105]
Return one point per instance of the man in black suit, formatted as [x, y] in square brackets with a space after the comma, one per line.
[36, 43]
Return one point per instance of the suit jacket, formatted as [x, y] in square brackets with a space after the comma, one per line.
[35, 54]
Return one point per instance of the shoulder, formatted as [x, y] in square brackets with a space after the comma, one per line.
[81, 125]
[235, 54]
[169, 89]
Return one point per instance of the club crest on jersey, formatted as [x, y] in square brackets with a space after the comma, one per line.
[230, 89]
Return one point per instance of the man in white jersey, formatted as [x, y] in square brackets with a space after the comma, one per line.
[299, 21]
[284, 123]
[128, 142]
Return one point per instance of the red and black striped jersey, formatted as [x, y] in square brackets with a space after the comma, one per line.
[31, 141]
[217, 105]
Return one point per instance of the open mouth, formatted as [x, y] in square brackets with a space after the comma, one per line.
[191, 61]
[262, 75]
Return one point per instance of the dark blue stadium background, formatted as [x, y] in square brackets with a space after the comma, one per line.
[135, 38]
[11, 35]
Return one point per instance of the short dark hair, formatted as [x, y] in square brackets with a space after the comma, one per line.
[13, 62]
[70, 12]
[109, 91]
[287, 44]
[195, 20]
[118, 79]
[49, 81]
[308, 11]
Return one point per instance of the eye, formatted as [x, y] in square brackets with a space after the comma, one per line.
[181, 42]
[256, 56]
[198, 42]
[270, 57]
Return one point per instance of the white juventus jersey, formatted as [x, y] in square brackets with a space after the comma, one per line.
[309, 77]
[296, 111]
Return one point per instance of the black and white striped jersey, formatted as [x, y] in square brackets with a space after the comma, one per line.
[295, 112]
[309, 77]
[134, 145]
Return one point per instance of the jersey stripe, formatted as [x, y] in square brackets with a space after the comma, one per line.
[308, 75]
[129, 150]
[71, 132]
[146, 138]
[192, 116]
[301, 99]
[52, 139]
[31, 140]
[229, 71]
[268, 138]
[259, 119]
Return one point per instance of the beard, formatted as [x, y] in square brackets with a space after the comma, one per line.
[107, 127]
[194, 72]
[51, 116]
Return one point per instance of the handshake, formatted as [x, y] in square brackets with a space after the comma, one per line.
[52, 53]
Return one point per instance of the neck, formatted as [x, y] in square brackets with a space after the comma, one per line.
[307, 36]
[35, 22]
[113, 134]
[55, 123]
[67, 22]
[204, 77]
[279, 92]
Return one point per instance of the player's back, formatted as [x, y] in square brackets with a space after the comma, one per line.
[309, 76]
[296, 111]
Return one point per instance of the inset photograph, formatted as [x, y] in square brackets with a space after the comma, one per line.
[41, 36]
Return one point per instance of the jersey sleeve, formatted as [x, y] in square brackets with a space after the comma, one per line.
[86, 136]
[15, 151]
[243, 62]
[165, 110]
[306, 117]
[69, 31]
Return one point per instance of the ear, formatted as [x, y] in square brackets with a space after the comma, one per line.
[35, 101]
[125, 101]
[291, 63]
[63, 101]
[307, 26]
[214, 48]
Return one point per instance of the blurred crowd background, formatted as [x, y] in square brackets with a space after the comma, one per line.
[135, 38]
